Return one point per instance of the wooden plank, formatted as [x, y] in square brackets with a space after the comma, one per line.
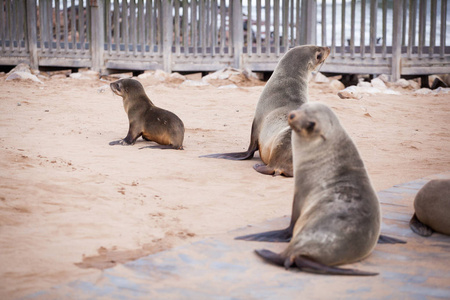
[249, 28]
[117, 25]
[276, 25]
[384, 35]
[363, 28]
[397, 41]
[285, 22]
[167, 32]
[177, 28]
[81, 24]
[267, 25]
[194, 27]
[109, 28]
[352, 28]
[292, 22]
[443, 28]
[373, 26]
[333, 29]
[73, 25]
[58, 25]
[133, 26]
[433, 16]
[2, 25]
[222, 27]
[66, 26]
[185, 28]
[214, 27]
[324, 24]
[298, 22]
[237, 32]
[31, 33]
[202, 33]
[97, 39]
[343, 21]
[258, 27]
[422, 24]
[412, 27]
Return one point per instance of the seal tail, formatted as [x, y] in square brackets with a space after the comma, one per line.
[237, 155]
[232, 155]
[308, 265]
[280, 236]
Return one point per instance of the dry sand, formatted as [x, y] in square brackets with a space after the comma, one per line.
[70, 204]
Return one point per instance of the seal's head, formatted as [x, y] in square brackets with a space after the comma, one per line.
[313, 120]
[123, 86]
[305, 58]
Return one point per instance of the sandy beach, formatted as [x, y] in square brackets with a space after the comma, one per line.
[71, 205]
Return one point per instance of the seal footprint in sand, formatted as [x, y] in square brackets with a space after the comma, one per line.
[145, 119]
[286, 90]
[336, 214]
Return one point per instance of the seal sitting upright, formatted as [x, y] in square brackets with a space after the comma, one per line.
[286, 90]
[432, 208]
[153, 123]
[338, 210]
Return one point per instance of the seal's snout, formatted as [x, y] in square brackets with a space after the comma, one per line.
[293, 117]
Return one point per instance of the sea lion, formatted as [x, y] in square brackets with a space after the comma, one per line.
[286, 90]
[153, 123]
[338, 211]
[432, 208]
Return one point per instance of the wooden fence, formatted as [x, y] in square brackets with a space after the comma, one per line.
[401, 37]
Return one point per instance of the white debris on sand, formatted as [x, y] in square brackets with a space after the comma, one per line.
[22, 72]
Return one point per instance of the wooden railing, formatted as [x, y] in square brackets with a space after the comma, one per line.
[401, 37]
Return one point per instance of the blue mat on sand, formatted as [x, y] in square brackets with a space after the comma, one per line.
[223, 268]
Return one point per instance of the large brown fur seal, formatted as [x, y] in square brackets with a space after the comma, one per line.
[338, 210]
[286, 90]
[153, 123]
[432, 208]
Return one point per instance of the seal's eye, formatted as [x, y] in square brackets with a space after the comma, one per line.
[319, 56]
[310, 126]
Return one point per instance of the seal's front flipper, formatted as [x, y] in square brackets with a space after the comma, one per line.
[119, 142]
[232, 155]
[419, 228]
[281, 236]
[384, 239]
[308, 265]
[264, 169]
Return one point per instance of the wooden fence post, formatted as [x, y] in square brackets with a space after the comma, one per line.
[32, 33]
[397, 41]
[311, 22]
[167, 28]
[238, 33]
[97, 34]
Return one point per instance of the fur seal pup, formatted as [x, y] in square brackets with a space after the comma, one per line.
[147, 120]
[286, 90]
[432, 208]
[340, 214]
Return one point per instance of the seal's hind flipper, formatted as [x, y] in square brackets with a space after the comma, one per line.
[384, 239]
[280, 236]
[273, 258]
[308, 265]
[232, 156]
[419, 228]
[305, 264]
